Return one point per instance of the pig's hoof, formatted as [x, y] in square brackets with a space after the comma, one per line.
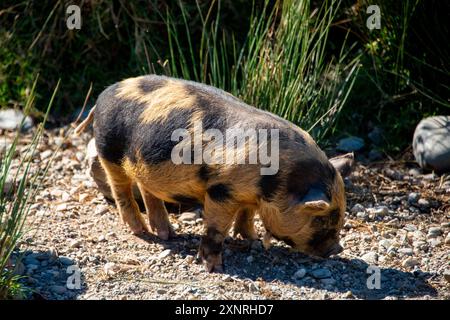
[212, 267]
[137, 226]
[267, 240]
[246, 235]
[165, 233]
[212, 262]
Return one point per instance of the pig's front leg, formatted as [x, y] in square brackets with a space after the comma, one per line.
[218, 217]
[211, 250]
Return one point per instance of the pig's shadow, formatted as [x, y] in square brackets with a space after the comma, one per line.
[46, 276]
[348, 274]
[280, 264]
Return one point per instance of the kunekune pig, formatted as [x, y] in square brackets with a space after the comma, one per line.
[302, 203]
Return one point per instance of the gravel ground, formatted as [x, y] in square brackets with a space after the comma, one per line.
[396, 241]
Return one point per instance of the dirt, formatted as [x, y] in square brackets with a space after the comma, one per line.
[396, 240]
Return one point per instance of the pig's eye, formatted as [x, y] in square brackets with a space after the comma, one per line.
[334, 217]
[320, 222]
[328, 221]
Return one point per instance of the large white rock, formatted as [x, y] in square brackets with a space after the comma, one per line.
[11, 119]
[431, 143]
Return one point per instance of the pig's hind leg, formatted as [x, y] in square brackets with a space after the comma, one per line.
[244, 224]
[121, 187]
[157, 214]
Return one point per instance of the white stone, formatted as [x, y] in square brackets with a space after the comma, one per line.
[300, 273]
[370, 257]
[410, 262]
[164, 254]
[188, 216]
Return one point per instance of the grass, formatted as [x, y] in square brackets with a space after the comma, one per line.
[298, 59]
[405, 73]
[15, 202]
[282, 67]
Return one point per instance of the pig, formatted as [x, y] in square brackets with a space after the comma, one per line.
[299, 196]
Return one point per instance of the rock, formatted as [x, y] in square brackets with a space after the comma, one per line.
[393, 174]
[380, 211]
[250, 259]
[11, 119]
[328, 281]
[410, 227]
[376, 136]
[348, 295]
[434, 232]
[447, 275]
[393, 222]
[420, 244]
[32, 267]
[52, 255]
[8, 187]
[413, 197]
[350, 144]
[348, 225]
[253, 287]
[101, 209]
[321, 273]
[66, 261]
[46, 154]
[4, 147]
[256, 245]
[431, 143]
[434, 242]
[447, 239]
[385, 243]
[188, 216]
[357, 208]
[445, 225]
[362, 215]
[58, 289]
[300, 273]
[370, 257]
[161, 291]
[414, 172]
[19, 268]
[423, 203]
[227, 278]
[164, 254]
[419, 235]
[410, 262]
[31, 260]
[75, 243]
[111, 268]
[406, 251]
[375, 155]
[61, 207]
[430, 177]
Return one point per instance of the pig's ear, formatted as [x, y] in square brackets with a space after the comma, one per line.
[344, 163]
[316, 206]
[314, 201]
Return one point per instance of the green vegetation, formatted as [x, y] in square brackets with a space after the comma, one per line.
[18, 186]
[282, 67]
[313, 62]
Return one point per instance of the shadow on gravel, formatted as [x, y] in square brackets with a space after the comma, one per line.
[279, 264]
[334, 275]
[49, 276]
